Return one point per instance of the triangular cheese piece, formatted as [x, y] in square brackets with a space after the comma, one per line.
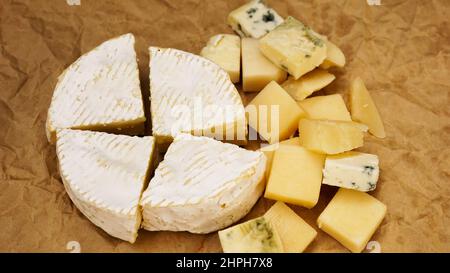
[202, 185]
[364, 110]
[100, 91]
[104, 175]
[191, 94]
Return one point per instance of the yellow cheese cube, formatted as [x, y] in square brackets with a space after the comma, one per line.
[273, 113]
[257, 70]
[364, 110]
[307, 84]
[330, 136]
[294, 232]
[352, 217]
[294, 47]
[331, 107]
[335, 56]
[225, 51]
[296, 176]
[269, 151]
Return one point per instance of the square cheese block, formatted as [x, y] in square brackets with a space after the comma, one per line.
[273, 113]
[257, 70]
[331, 107]
[307, 84]
[254, 19]
[330, 136]
[254, 236]
[294, 47]
[225, 50]
[269, 151]
[352, 170]
[294, 232]
[335, 56]
[296, 176]
[100, 92]
[364, 109]
[352, 217]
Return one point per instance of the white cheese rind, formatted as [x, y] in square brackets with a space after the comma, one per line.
[99, 91]
[191, 94]
[352, 170]
[254, 19]
[202, 185]
[104, 175]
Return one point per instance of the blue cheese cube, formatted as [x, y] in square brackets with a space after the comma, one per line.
[254, 19]
[352, 170]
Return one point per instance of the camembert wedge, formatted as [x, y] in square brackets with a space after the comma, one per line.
[191, 94]
[100, 91]
[202, 185]
[104, 175]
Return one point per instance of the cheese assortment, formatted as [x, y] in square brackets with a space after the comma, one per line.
[352, 217]
[257, 235]
[99, 91]
[104, 175]
[257, 70]
[225, 50]
[254, 19]
[273, 113]
[352, 170]
[190, 94]
[307, 84]
[363, 108]
[202, 185]
[294, 47]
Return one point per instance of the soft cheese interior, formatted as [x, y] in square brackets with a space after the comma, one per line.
[202, 185]
[105, 175]
[100, 91]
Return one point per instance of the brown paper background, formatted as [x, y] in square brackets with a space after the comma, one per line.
[401, 49]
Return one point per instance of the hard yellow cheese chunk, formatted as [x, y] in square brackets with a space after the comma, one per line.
[307, 84]
[225, 51]
[273, 113]
[257, 70]
[364, 110]
[330, 136]
[335, 56]
[296, 176]
[331, 107]
[352, 217]
[269, 151]
[294, 47]
[254, 236]
[294, 232]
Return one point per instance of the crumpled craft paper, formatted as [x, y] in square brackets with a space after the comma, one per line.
[400, 48]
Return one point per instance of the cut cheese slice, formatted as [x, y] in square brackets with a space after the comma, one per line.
[269, 151]
[190, 94]
[225, 50]
[104, 175]
[364, 110]
[335, 56]
[331, 107]
[307, 84]
[100, 91]
[294, 47]
[202, 185]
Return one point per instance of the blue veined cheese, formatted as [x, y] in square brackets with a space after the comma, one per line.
[104, 176]
[100, 91]
[254, 19]
[254, 236]
[191, 94]
[202, 185]
[225, 50]
[294, 47]
[352, 170]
